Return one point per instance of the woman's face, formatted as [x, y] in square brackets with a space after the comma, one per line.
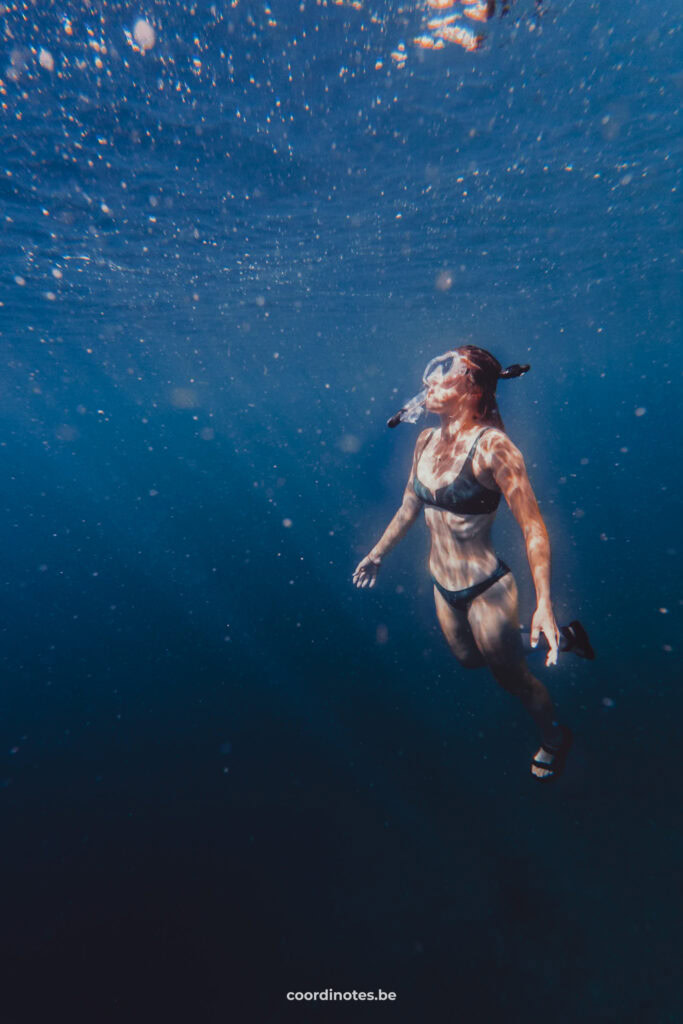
[447, 381]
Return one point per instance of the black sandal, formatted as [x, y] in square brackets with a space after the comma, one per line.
[577, 640]
[559, 757]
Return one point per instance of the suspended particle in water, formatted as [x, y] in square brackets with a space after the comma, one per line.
[184, 398]
[444, 281]
[349, 443]
[382, 634]
[17, 65]
[485, 11]
[287, 523]
[426, 42]
[462, 37]
[46, 60]
[641, 410]
[66, 432]
[399, 54]
[607, 702]
[144, 34]
[434, 24]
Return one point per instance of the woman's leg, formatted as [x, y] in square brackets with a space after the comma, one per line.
[494, 623]
[456, 629]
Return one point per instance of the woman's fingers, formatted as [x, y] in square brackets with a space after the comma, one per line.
[552, 637]
[365, 573]
[361, 573]
[544, 622]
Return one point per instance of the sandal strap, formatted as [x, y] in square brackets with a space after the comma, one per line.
[563, 748]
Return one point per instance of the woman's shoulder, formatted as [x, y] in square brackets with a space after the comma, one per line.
[491, 430]
[423, 438]
[492, 437]
[421, 443]
[496, 446]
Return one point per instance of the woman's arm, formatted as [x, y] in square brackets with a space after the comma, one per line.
[505, 462]
[366, 571]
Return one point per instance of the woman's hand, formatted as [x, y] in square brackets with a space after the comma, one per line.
[544, 622]
[366, 571]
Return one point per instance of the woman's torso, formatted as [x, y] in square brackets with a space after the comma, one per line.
[460, 500]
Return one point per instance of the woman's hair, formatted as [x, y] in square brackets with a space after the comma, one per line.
[484, 371]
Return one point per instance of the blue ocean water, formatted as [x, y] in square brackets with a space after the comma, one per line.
[233, 236]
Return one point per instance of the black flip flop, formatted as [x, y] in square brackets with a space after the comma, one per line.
[559, 755]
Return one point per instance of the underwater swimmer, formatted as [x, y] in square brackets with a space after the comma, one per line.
[458, 473]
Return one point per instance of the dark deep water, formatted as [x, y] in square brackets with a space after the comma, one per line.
[227, 774]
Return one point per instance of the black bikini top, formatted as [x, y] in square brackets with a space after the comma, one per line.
[464, 495]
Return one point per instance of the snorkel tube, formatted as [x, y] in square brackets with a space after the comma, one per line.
[411, 411]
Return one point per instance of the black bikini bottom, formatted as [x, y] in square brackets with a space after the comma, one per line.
[461, 599]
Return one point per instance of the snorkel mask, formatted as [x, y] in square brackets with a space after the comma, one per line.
[435, 372]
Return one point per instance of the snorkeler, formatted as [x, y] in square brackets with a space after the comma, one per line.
[458, 473]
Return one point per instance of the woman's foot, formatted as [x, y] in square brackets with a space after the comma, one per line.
[548, 762]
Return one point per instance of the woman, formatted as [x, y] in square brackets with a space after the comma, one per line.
[459, 471]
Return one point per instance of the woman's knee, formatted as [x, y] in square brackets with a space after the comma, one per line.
[470, 658]
[518, 680]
